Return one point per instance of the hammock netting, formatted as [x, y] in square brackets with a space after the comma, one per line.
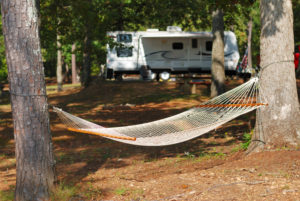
[181, 127]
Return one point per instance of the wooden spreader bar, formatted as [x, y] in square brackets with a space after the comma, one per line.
[234, 105]
[101, 134]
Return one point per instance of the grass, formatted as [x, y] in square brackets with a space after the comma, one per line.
[121, 191]
[63, 192]
[132, 193]
[208, 156]
[236, 149]
[7, 195]
[91, 191]
[51, 87]
[7, 162]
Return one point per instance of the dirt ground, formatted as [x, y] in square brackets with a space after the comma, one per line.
[211, 167]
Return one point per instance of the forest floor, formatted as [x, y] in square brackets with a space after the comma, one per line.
[211, 167]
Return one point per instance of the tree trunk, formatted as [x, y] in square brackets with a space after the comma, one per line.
[59, 74]
[249, 44]
[217, 67]
[278, 124]
[34, 157]
[86, 70]
[74, 70]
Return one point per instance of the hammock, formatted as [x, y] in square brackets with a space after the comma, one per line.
[179, 128]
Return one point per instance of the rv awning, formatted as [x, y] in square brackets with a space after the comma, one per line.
[177, 35]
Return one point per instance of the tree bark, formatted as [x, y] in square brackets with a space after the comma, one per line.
[59, 74]
[34, 157]
[217, 68]
[278, 124]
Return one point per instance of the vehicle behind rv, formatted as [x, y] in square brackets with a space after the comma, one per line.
[157, 54]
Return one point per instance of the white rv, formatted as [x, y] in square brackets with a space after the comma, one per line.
[161, 53]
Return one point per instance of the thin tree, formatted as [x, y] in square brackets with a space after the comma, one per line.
[59, 74]
[34, 157]
[249, 43]
[278, 124]
[74, 69]
[86, 70]
[217, 67]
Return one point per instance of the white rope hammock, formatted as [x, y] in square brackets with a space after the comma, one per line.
[181, 127]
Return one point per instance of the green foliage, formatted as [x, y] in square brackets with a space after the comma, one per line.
[3, 72]
[3, 67]
[247, 140]
[73, 20]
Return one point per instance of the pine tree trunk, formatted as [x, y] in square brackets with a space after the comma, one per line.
[278, 124]
[34, 157]
[217, 68]
[59, 74]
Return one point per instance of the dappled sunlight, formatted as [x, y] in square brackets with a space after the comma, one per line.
[7, 163]
[62, 138]
[7, 172]
[95, 164]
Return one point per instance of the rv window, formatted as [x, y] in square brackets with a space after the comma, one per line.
[124, 52]
[208, 46]
[177, 46]
[194, 43]
[125, 38]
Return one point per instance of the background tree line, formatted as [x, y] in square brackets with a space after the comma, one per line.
[84, 23]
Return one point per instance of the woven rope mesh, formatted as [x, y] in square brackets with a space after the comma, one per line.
[184, 126]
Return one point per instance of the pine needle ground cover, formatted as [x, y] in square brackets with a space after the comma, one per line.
[212, 167]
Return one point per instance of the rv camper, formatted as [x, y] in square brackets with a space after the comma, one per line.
[158, 54]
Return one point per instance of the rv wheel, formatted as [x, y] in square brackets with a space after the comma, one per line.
[164, 75]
